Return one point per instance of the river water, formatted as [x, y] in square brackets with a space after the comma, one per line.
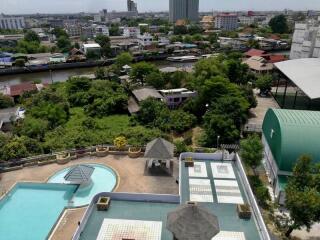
[63, 75]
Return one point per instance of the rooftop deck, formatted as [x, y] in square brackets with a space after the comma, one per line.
[129, 210]
[219, 188]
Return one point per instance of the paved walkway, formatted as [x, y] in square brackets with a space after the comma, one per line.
[132, 179]
[257, 114]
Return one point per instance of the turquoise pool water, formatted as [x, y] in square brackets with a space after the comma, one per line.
[103, 178]
[29, 210]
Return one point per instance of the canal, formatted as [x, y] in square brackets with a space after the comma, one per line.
[63, 75]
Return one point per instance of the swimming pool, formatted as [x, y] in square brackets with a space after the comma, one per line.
[104, 179]
[29, 210]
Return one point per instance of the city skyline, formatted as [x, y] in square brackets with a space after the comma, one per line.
[69, 6]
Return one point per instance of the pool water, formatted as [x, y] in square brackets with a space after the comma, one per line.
[103, 178]
[29, 210]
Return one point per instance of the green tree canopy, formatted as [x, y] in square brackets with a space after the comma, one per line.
[303, 195]
[31, 36]
[279, 24]
[141, 70]
[5, 101]
[104, 42]
[64, 44]
[264, 83]
[123, 59]
[251, 151]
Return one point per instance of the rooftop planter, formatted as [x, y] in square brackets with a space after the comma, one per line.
[81, 152]
[188, 162]
[102, 151]
[103, 203]
[244, 211]
[134, 152]
[63, 158]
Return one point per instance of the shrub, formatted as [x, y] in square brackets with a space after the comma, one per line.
[260, 191]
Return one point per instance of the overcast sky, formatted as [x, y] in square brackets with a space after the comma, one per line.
[60, 6]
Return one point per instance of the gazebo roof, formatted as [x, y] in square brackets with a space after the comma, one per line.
[191, 221]
[159, 148]
[79, 173]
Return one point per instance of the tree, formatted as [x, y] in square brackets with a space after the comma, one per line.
[31, 36]
[156, 80]
[64, 44]
[114, 30]
[32, 127]
[123, 59]
[264, 83]
[141, 70]
[100, 73]
[251, 151]
[14, 149]
[180, 30]
[19, 62]
[5, 101]
[149, 110]
[279, 24]
[104, 42]
[303, 195]
[76, 45]
[59, 32]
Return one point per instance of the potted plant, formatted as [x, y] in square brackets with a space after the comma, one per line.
[134, 152]
[188, 162]
[63, 158]
[102, 151]
[120, 146]
[103, 203]
[244, 211]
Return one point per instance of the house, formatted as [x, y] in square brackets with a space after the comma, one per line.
[259, 64]
[8, 116]
[145, 40]
[76, 55]
[254, 52]
[175, 97]
[141, 94]
[131, 32]
[233, 43]
[91, 48]
[57, 58]
[286, 135]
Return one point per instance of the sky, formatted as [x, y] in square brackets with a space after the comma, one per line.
[72, 6]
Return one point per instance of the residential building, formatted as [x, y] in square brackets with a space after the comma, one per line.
[175, 97]
[247, 20]
[259, 64]
[10, 22]
[56, 23]
[305, 41]
[207, 22]
[226, 21]
[8, 116]
[131, 32]
[91, 47]
[102, 30]
[286, 135]
[145, 40]
[97, 18]
[184, 9]
[88, 32]
[132, 6]
[233, 43]
[73, 30]
[115, 15]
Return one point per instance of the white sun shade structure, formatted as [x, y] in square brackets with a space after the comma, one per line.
[304, 73]
[80, 174]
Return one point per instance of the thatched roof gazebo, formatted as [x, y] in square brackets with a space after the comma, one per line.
[191, 221]
[79, 174]
[159, 148]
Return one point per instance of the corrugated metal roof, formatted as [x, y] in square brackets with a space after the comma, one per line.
[144, 93]
[290, 134]
[305, 73]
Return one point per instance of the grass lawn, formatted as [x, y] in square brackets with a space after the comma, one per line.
[82, 131]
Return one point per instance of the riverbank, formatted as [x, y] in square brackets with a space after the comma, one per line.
[63, 74]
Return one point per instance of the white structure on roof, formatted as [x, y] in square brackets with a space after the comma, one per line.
[175, 97]
[305, 41]
[304, 73]
[101, 29]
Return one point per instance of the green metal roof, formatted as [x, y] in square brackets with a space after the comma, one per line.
[291, 133]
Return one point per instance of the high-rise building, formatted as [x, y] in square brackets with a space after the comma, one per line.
[10, 22]
[184, 9]
[132, 6]
[226, 21]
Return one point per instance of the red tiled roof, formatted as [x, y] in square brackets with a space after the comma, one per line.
[277, 58]
[254, 52]
[19, 89]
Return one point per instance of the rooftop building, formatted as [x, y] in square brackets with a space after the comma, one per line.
[132, 6]
[259, 64]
